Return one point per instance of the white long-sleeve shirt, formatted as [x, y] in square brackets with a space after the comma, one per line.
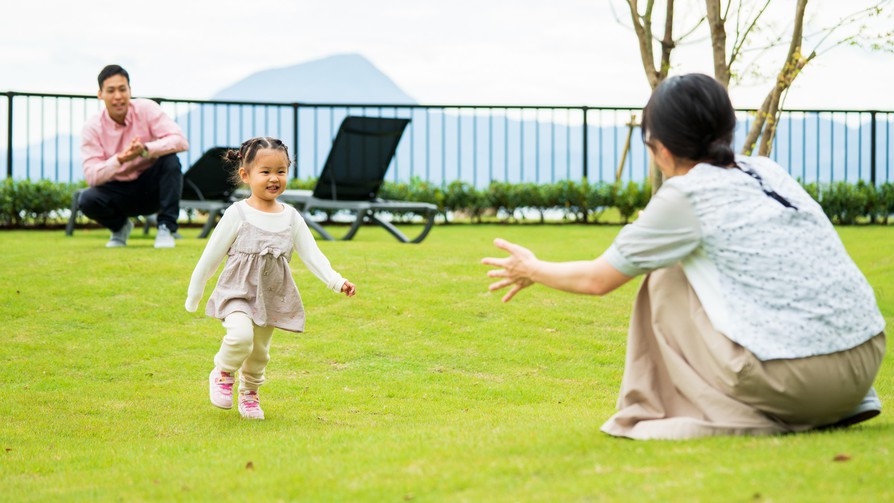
[227, 229]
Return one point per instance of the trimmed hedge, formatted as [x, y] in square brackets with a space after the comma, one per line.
[23, 202]
[26, 203]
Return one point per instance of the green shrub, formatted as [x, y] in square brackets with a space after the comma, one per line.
[878, 201]
[464, 197]
[427, 192]
[573, 198]
[843, 202]
[416, 190]
[812, 190]
[24, 202]
[631, 198]
[531, 195]
[504, 196]
[600, 196]
[9, 214]
[303, 184]
[886, 200]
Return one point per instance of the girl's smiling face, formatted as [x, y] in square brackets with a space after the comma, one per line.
[266, 177]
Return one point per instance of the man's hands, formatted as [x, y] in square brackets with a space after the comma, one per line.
[348, 289]
[134, 150]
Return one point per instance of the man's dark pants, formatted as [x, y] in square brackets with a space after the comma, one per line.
[157, 190]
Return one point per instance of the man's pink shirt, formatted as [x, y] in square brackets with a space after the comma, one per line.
[103, 138]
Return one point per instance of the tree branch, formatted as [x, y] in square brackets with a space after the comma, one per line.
[642, 25]
[667, 45]
[740, 42]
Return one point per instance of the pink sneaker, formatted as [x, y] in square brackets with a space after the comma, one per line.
[250, 405]
[221, 388]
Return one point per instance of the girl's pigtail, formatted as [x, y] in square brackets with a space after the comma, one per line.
[234, 157]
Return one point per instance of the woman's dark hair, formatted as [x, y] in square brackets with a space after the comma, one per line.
[247, 152]
[111, 70]
[693, 117]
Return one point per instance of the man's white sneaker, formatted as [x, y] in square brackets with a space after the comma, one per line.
[119, 237]
[250, 405]
[164, 238]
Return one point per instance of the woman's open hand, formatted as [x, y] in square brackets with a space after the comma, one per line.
[517, 269]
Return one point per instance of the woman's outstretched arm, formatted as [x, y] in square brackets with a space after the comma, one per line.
[521, 269]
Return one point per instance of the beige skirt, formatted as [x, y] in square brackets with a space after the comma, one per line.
[683, 379]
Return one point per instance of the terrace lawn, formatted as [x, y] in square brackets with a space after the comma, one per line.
[424, 387]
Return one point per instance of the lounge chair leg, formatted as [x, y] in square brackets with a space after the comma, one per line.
[148, 222]
[390, 228]
[72, 220]
[317, 227]
[209, 224]
[355, 226]
[428, 225]
[400, 236]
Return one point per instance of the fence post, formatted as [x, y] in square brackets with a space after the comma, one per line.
[586, 146]
[9, 96]
[872, 146]
[295, 139]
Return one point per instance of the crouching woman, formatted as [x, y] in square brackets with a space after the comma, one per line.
[752, 318]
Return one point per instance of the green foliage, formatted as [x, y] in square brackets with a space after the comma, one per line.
[464, 197]
[27, 203]
[303, 184]
[844, 203]
[812, 190]
[427, 192]
[886, 199]
[601, 196]
[631, 198]
[534, 196]
[879, 201]
[505, 196]
[416, 190]
[573, 198]
[23, 202]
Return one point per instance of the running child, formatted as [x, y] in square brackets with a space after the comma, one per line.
[256, 291]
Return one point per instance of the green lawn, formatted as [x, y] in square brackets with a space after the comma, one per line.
[423, 387]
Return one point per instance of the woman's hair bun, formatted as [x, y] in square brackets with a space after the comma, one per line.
[720, 153]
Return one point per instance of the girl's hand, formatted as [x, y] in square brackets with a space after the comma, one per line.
[348, 289]
[517, 269]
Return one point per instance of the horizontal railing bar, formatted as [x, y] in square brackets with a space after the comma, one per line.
[423, 106]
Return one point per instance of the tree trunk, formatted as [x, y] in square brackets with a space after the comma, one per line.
[767, 117]
[642, 26]
[718, 41]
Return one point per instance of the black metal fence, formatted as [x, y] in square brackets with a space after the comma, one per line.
[40, 139]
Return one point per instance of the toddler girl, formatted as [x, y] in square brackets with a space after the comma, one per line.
[256, 291]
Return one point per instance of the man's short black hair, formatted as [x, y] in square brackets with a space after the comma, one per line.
[111, 70]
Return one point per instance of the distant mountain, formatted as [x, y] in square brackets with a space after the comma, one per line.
[343, 78]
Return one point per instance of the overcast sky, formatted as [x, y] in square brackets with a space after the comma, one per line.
[440, 52]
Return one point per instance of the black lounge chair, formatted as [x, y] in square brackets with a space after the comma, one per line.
[206, 187]
[352, 176]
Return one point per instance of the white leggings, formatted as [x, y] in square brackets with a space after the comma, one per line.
[245, 346]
